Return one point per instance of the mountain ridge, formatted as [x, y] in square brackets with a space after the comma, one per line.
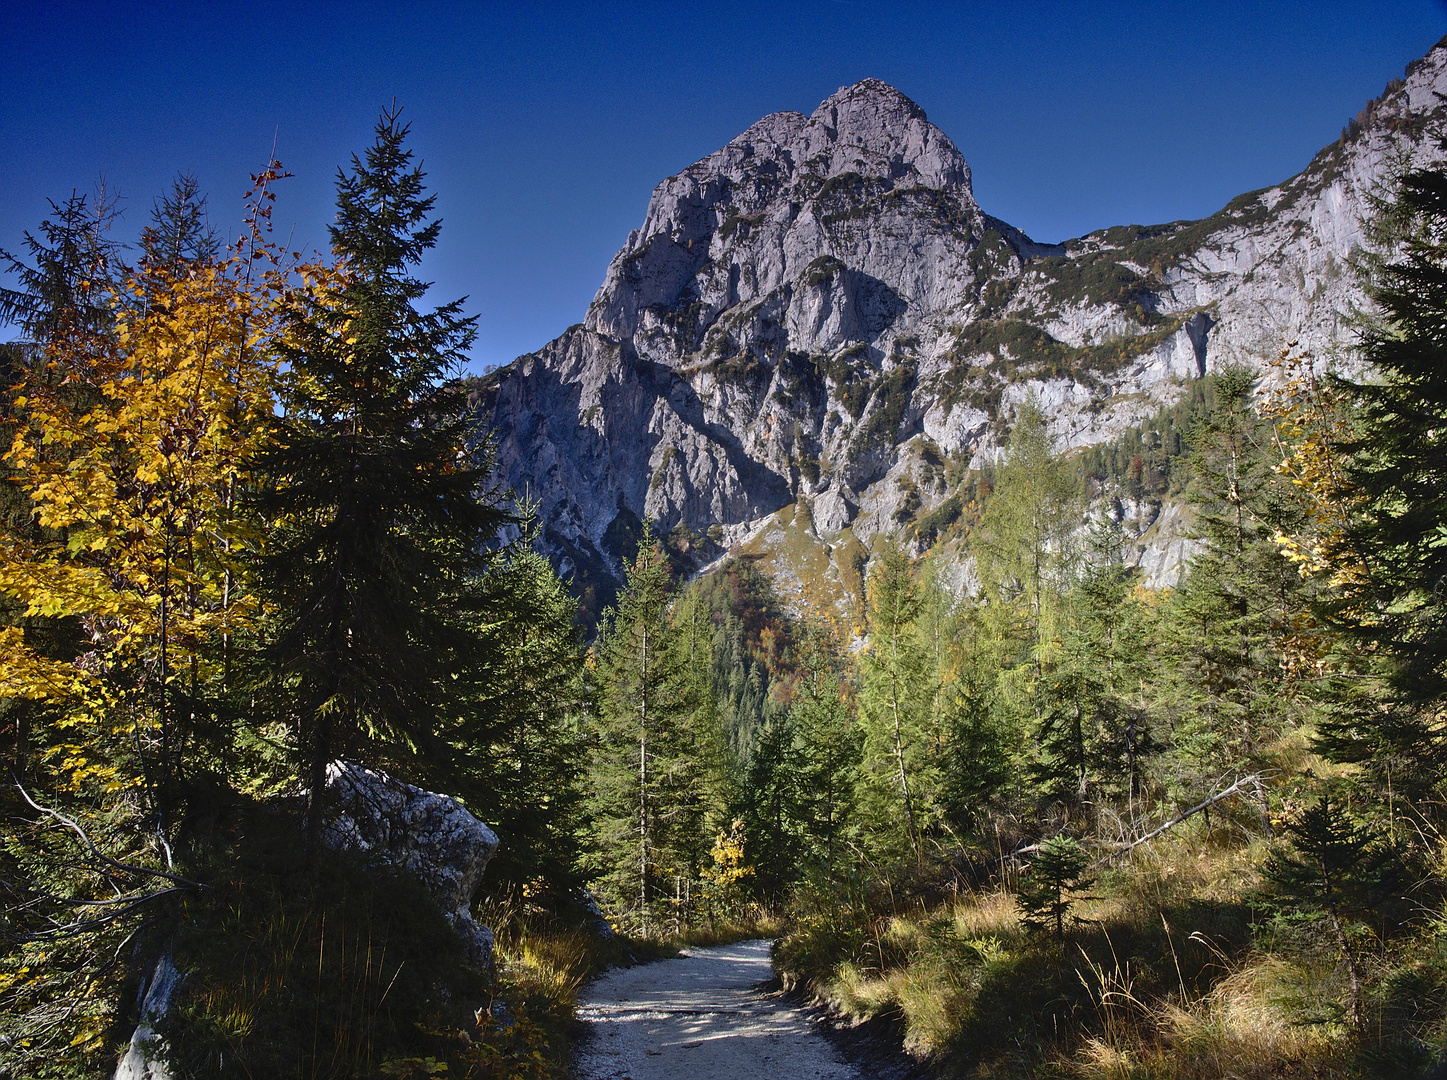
[820, 315]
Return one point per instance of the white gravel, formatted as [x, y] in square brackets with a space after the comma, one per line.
[700, 1017]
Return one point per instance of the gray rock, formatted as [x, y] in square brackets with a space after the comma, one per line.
[594, 921]
[798, 307]
[430, 836]
[144, 1058]
[831, 513]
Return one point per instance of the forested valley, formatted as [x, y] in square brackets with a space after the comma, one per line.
[1056, 823]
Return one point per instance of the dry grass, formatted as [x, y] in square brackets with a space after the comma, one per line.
[756, 924]
[926, 970]
[1245, 1029]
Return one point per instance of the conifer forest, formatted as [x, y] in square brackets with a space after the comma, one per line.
[1047, 822]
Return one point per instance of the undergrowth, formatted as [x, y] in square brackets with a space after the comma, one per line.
[1174, 968]
[344, 969]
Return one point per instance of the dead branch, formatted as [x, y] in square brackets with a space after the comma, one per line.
[1240, 784]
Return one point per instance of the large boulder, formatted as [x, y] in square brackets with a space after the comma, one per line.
[430, 836]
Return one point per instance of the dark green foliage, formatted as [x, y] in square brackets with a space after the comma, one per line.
[1344, 871]
[1147, 460]
[830, 745]
[527, 754]
[770, 805]
[976, 759]
[649, 762]
[64, 289]
[374, 489]
[1097, 279]
[1056, 871]
[889, 400]
[753, 653]
[179, 234]
[853, 378]
[1228, 618]
[930, 526]
[1399, 460]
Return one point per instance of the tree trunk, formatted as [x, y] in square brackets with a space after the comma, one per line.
[1354, 999]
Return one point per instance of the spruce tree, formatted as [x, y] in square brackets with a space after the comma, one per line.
[1341, 869]
[976, 763]
[378, 525]
[65, 289]
[525, 730]
[830, 746]
[646, 773]
[1057, 870]
[770, 807]
[1226, 621]
[1399, 459]
[179, 234]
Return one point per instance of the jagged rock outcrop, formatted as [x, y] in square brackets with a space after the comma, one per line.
[820, 314]
[430, 836]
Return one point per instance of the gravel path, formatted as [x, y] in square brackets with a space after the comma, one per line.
[701, 1017]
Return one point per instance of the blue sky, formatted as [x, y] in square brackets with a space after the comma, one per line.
[544, 127]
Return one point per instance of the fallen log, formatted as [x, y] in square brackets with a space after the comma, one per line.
[1243, 782]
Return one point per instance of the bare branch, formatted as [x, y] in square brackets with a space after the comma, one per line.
[96, 853]
[1240, 784]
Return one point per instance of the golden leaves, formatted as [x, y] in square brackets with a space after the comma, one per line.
[134, 451]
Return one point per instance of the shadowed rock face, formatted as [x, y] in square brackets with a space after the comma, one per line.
[820, 311]
[430, 836]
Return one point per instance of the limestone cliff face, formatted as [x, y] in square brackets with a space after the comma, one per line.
[819, 313]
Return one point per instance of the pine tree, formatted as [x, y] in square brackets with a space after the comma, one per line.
[527, 745]
[830, 746]
[1341, 869]
[66, 290]
[179, 234]
[1227, 620]
[374, 492]
[770, 808]
[1398, 461]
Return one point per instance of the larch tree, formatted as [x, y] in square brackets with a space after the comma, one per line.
[896, 691]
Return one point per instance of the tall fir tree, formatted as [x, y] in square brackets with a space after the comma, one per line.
[896, 692]
[646, 773]
[66, 289]
[830, 745]
[179, 235]
[378, 524]
[525, 732]
[1226, 621]
[1398, 459]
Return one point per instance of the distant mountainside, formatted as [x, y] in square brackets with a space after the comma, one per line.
[817, 332]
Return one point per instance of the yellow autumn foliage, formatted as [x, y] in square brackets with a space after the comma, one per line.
[135, 452]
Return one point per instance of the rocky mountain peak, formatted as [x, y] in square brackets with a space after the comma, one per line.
[817, 325]
[873, 129]
[750, 217]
